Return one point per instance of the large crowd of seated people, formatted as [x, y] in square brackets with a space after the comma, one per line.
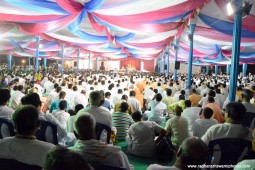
[139, 109]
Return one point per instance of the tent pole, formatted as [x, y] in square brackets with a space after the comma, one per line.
[89, 61]
[228, 69]
[216, 70]
[168, 62]
[9, 58]
[244, 69]
[235, 51]
[96, 63]
[62, 60]
[45, 63]
[192, 29]
[37, 53]
[176, 57]
[78, 61]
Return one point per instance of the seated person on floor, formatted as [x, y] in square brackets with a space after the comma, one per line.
[100, 113]
[5, 111]
[202, 125]
[158, 109]
[122, 120]
[34, 99]
[24, 147]
[178, 126]
[61, 115]
[97, 153]
[232, 128]
[141, 136]
[70, 121]
[193, 151]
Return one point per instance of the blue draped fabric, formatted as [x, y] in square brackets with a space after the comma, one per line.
[93, 5]
[124, 38]
[247, 55]
[218, 58]
[74, 26]
[13, 43]
[110, 49]
[42, 6]
[224, 26]
[140, 47]
[171, 19]
[131, 50]
[115, 28]
[90, 37]
[49, 44]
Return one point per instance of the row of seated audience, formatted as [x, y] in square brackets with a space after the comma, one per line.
[77, 129]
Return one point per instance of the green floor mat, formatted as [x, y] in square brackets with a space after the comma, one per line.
[138, 162]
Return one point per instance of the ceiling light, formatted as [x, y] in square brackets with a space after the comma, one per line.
[232, 7]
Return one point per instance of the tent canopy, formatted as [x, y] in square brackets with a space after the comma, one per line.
[122, 28]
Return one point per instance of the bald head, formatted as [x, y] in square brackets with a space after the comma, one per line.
[84, 126]
[193, 151]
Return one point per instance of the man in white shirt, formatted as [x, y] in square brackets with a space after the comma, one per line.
[246, 96]
[96, 152]
[48, 85]
[192, 151]
[61, 115]
[168, 99]
[34, 99]
[191, 113]
[24, 147]
[134, 102]
[205, 91]
[81, 98]
[202, 125]
[100, 113]
[232, 128]
[16, 97]
[5, 111]
[221, 97]
[158, 109]
[117, 97]
[53, 95]
[204, 100]
[69, 93]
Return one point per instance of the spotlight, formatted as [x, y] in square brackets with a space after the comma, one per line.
[230, 8]
[246, 7]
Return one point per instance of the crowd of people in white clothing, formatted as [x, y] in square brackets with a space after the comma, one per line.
[139, 108]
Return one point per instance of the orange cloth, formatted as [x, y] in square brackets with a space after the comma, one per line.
[194, 98]
[216, 112]
[139, 96]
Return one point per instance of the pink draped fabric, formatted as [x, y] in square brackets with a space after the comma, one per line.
[35, 29]
[95, 25]
[70, 5]
[163, 42]
[215, 35]
[109, 36]
[155, 15]
[148, 28]
[28, 18]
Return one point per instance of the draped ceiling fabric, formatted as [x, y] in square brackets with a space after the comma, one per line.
[142, 29]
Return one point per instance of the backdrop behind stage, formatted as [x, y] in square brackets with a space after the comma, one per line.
[137, 64]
